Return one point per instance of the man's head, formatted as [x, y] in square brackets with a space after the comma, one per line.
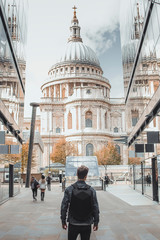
[82, 172]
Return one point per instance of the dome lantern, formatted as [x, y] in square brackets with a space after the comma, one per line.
[75, 29]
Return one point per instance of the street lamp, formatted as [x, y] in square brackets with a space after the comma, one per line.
[49, 148]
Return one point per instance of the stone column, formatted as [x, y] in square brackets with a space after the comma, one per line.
[67, 90]
[98, 118]
[80, 117]
[54, 91]
[60, 89]
[49, 92]
[123, 121]
[50, 120]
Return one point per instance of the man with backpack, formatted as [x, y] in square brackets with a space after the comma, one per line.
[80, 207]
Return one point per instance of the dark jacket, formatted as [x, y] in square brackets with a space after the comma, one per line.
[35, 184]
[65, 207]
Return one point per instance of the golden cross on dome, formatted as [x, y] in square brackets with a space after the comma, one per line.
[74, 11]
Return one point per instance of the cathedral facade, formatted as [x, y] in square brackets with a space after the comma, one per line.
[76, 101]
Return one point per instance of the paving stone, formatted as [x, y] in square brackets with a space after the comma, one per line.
[124, 215]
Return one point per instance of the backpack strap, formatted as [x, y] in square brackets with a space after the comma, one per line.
[76, 187]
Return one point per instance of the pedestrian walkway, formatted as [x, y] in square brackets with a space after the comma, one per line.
[120, 218]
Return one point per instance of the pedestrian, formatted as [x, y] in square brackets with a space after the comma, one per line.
[42, 186]
[48, 179]
[148, 179]
[106, 178]
[34, 186]
[81, 206]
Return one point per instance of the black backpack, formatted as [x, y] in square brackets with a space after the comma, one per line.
[81, 206]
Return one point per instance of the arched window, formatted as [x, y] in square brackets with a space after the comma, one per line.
[115, 129]
[58, 130]
[105, 119]
[89, 149]
[88, 119]
[118, 148]
[69, 120]
[134, 117]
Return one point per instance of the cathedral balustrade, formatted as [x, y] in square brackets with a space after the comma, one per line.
[73, 75]
[117, 100]
[47, 100]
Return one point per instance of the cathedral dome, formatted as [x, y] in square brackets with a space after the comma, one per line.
[76, 51]
[80, 53]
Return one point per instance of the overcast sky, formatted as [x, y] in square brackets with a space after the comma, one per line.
[48, 32]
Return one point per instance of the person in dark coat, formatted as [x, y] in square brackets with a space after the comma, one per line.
[78, 225]
[106, 178]
[48, 179]
[34, 186]
[148, 179]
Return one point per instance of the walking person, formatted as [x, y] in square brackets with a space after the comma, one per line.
[42, 186]
[34, 186]
[106, 178]
[81, 206]
[148, 179]
[48, 179]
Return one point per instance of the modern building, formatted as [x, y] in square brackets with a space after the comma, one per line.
[140, 31]
[13, 33]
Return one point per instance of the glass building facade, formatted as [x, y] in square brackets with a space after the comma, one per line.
[140, 41]
[13, 37]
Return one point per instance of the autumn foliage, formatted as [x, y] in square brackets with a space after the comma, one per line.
[24, 157]
[21, 157]
[61, 150]
[134, 160]
[108, 155]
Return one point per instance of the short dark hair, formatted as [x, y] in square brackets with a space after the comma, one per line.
[82, 171]
[43, 177]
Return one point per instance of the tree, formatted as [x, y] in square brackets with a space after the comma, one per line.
[61, 150]
[10, 157]
[24, 157]
[134, 160]
[108, 155]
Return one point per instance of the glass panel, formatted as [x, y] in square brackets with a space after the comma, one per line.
[73, 163]
[138, 178]
[148, 177]
[4, 182]
[10, 87]
[146, 77]
[158, 166]
[17, 178]
[88, 123]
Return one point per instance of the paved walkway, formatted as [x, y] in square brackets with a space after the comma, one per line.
[120, 219]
